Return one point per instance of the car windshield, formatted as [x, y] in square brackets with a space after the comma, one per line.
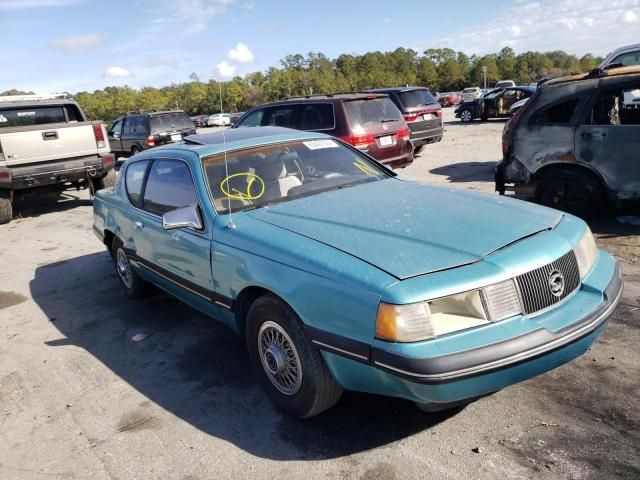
[260, 176]
[417, 98]
[371, 111]
[170, 121]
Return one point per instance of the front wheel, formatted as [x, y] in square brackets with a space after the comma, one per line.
[466, 116]
[289, 367]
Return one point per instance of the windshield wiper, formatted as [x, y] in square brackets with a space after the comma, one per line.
[386, 120]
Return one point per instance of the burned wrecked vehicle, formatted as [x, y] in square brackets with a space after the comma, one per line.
[494, 104]
[575, 145]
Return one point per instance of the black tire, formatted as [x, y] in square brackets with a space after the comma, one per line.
[106, 181]
[466, 115]
[6, 209]
[135, 288]
[418, 149]
[314, 389]
[484, 118]
[135, 149]
[578, 193]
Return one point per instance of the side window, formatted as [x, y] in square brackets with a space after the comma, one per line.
[629, 58]
[317, 116]
[140, 126]
[116, 128]
[128, 126]
[73, 113]
[254, 119]
[133, 181]
[556, 114]
[169, 186]
[618, 107]
[281, 116]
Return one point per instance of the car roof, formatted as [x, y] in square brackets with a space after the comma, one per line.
[396, 89]
[612, 72]
[333, 96]
[238, 138]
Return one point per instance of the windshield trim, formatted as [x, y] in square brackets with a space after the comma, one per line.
[383, 168]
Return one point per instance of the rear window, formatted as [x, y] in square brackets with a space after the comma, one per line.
[170, 121]
[25, 116]
[417, 98]
[371, 112]
[470, 90]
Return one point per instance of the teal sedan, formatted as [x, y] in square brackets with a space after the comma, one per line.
[341, 275]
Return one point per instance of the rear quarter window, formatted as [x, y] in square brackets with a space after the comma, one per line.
[26, 116]
[559, 113]
[134, 179]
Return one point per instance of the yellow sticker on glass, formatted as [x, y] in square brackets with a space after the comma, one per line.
[253, 190]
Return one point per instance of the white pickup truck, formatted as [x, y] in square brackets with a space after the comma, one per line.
[47, 144]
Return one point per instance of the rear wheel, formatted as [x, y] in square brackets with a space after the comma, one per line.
[465, 115]
[106, 181]
[578, 193]
[135, 149]
[418, 149]
[134, 287]
[6, 209]
[289, 367]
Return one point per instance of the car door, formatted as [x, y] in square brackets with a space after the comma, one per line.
[179, 259]
[114, 134]
[609, 139]
[489, 106]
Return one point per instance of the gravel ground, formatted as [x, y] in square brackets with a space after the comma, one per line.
[80, 398]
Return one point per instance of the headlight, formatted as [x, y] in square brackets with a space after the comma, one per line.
[586, 253]
[429, 319]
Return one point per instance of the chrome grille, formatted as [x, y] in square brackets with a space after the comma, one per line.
[534, 285]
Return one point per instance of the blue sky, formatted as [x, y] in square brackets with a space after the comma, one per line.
[73, 45]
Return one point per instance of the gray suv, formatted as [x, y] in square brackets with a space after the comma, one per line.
[575, 145]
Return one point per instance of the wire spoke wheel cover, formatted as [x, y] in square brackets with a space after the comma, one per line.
[124, 269]
[279, 358]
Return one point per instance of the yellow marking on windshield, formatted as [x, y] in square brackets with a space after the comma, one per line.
[365, 168]
[251, 179]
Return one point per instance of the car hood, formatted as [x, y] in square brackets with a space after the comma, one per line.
[408, 229]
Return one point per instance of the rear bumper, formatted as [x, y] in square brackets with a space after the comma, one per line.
[58, 172]
[422, 136]
[399, 161]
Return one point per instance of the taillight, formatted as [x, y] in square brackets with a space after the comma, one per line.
[403, 134]
[1, 153]
[108, 160]
[98, 133]
[151, 142]
[410, 117]
[439, 113]
[5, 175]
[360, 141]
[511, 125]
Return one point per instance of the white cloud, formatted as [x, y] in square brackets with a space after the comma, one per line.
[577, 27]
[629, 16]
[240, 54]
[386, 20]
[225, 70]
[79, 42]
[23, 4]
[248, 6]
[196, 14]
[116, 72]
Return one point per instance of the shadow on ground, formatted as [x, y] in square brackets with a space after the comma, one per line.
[198, 370]
[467, 171]
[48, 203]
[474, 123]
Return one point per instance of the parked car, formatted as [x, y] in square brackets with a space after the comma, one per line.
[200, 120]
[234, 117]
[368, 121]
[623, 56]
[440, 296]
[505, 84]
[137, 131]
[219, 120]
[575, 145]
[47, 145]
[494, 104]
[420, 110]
[449, 99]
[471, 93]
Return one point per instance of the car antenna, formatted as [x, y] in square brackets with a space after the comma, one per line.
[230, 225]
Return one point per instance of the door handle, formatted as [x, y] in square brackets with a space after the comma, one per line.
[53, 135]
[139, 226]
[586, 136]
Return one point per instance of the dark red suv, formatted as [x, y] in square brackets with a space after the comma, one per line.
[369, 122]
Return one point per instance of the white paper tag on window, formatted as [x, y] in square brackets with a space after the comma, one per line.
[3, 119]
[319, 144]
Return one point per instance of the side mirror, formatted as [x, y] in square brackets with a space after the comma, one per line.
[186, 217]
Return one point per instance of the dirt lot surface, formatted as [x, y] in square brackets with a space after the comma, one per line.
[80, 398]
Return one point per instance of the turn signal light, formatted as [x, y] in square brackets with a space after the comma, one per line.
[151, 142]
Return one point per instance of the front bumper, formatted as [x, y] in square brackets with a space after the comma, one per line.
[387, 369]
